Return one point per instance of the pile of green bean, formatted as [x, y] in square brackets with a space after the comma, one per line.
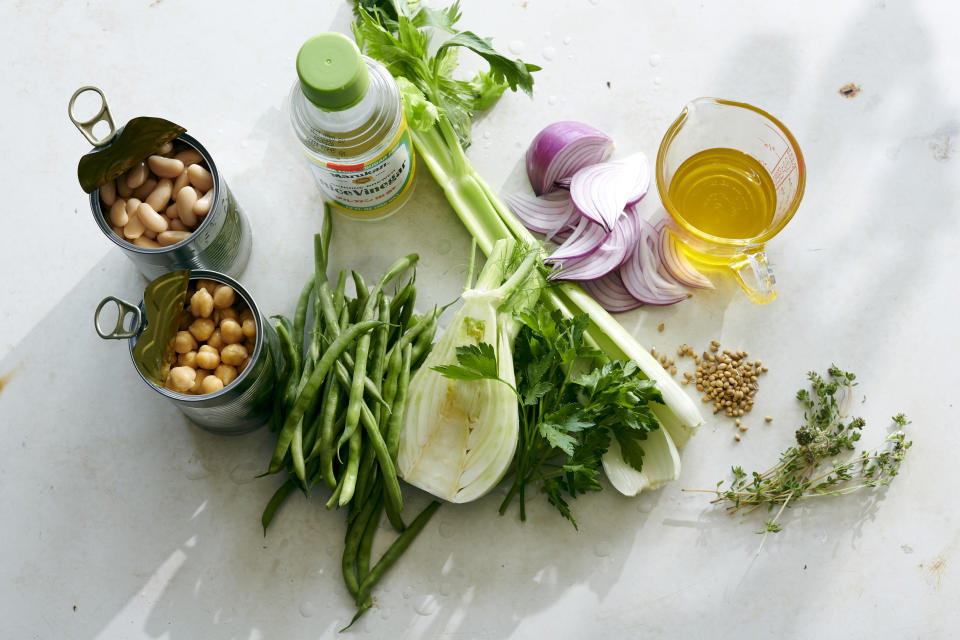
[339, 405]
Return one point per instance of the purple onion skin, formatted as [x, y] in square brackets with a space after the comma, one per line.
[551, 140]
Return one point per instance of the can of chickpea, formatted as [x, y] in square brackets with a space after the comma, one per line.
[226, 355]
[174, 211]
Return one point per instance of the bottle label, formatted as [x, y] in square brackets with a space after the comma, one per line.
[369, 187]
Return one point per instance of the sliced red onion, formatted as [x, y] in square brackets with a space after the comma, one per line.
[611, 293]
[563, 183]
[545, 214]
[675, 262]
[640, 272]
[602, 191]
[585, 239]
[562, 148]
[616, 247]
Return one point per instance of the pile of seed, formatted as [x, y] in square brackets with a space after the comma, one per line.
[728, 379]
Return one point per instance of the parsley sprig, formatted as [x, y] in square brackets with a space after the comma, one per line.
[812, 467]
[571, 407]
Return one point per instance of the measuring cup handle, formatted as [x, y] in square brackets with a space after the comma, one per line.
[124, 309]
[763, 288]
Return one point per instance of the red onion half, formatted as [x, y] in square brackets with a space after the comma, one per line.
[562, 148]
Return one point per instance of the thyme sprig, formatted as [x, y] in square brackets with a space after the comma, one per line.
[812, 467]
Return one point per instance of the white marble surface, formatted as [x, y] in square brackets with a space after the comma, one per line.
[121, 520]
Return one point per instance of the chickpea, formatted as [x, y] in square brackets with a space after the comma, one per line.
[181, 378]
[201, 329]
[215, 340]
[226, 373]
[249, 328]
[243, 365]
[184, 342]
[188, 359]
[233, 354]
[208, 357]
[219, 315]
[209, 285]
[250, 346]
[198, 383]
[211, 384]
[201, 303]
[231, 332]
[223, 296]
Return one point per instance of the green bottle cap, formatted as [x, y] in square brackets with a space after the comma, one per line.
[332, 72]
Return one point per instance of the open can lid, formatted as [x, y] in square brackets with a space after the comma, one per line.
[333, 74]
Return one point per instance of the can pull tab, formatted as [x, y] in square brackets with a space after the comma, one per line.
[86, 126]
[124, 309]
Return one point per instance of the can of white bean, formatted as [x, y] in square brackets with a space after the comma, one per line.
[245, 402]
[218, 238]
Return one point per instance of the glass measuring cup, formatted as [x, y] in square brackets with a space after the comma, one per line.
[712, 124]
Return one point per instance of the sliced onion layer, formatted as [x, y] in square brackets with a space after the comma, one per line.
[546, 214]
[675, 262]
[586, 238]
[601, 191]
[641, 274]
[611, 253]
[611, 293]
[562, 148]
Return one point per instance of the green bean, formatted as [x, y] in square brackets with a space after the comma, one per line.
[395, 550]
[415, 329]
[306, 395]
[390, 385]
[300, 315]
[408, 291]
[350, 473]
[332, 502]
[362, 294]
[351, 545]
[423, 344]
[399, 404]
[391, 487]
[406, 312]
[279, 496]
[289, 351]
[366, 539]
[356, 385]
[338, 293]
[296, 453]
[324, 444]
[366, 478]
[379, 359]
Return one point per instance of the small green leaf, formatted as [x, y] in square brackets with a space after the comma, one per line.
[630, 449]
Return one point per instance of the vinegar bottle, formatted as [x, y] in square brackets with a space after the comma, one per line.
[346, 112]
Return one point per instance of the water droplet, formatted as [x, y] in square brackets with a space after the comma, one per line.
[407, 592]
[546, 36]
[602, 549]
[446, 529]
[445, 588]
[644, 506]
[655, 60]
[570, 57]
[195, 470]
[427, 606]
[594, 2]
[552, 100]
[548, 53]
[906, 548]
[245, 472]
[567, 39]
[516, 46]
[308, 609]
[657, 81]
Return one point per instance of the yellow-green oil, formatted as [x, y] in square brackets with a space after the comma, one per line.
[725, 193]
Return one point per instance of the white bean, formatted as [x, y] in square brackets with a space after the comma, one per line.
[118, 213]
[132, 205]
[172, 211]
[189, 156]
[118, 231]
[200, 177]
[167, 238]
[166, 148]
[149, 233]
[182, 180]
[122, 189]
[145, 242]
[137, 175]
[176, 224]
[186, 201]
[165, 167]
[133, 229]
[203, 204]
[145, 189]
[159, 198]
[151, 219]
[108, 193]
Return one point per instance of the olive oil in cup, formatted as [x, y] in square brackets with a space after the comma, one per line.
[730, 177]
